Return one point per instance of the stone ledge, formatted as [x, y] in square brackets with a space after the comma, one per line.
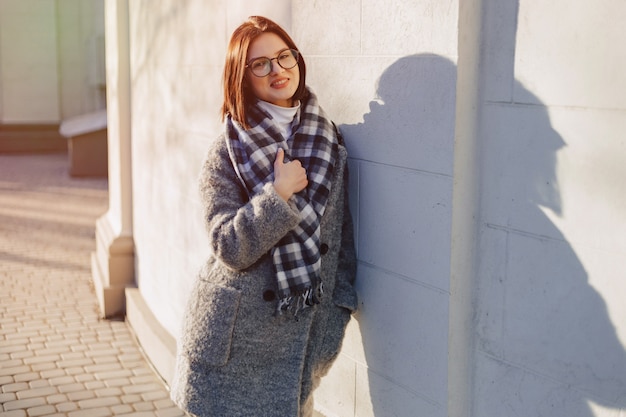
[87, 144]
[158, 344]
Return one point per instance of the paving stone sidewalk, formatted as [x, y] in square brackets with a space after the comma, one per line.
[57, 357]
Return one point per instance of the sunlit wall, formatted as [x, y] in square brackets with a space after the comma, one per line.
[545, 321]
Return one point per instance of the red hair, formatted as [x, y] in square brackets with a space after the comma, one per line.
[237, 95]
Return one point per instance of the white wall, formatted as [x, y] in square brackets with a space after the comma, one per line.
[386, 72]
[550, 315]
[177, 54]
[51, 59]
[28, 48]
[546, 307]
[401, 171]
[81, 56]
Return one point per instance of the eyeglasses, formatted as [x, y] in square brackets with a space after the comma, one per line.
[262, 67]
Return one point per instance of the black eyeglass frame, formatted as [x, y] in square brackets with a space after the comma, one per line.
[294, 53]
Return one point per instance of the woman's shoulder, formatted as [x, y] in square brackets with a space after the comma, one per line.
[216, 157]
[217, 146]
[217, 150]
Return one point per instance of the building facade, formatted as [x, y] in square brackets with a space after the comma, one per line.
[486, 146]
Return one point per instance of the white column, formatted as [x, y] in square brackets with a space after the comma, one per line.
[113, 261]
[465, 213]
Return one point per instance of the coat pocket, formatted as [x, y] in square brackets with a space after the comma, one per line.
[209, 324]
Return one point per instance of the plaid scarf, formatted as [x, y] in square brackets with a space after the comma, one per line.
[296, 257]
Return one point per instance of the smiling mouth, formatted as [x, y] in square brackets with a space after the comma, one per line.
[280, 82]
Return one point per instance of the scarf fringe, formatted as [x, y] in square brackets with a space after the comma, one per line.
[294, 304]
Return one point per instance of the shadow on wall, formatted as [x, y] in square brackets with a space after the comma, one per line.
[402, 158]
[546, 344]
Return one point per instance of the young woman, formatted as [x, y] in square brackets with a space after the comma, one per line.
[268, 311]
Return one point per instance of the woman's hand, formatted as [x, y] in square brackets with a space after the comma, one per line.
[289, 178]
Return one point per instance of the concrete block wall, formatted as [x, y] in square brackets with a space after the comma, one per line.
[393, 96]
[176, 54]
[545, 314]
[386, 72]
[550, 323]
[177, 51]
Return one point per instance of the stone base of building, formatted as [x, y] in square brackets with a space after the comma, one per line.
[113, 268]
[87, 144]
[158, 344]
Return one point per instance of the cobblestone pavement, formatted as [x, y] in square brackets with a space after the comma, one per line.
[57, 357]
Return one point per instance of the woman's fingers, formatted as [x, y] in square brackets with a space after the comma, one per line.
[290, 177]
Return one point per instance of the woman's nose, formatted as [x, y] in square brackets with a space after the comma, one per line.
[276, 68]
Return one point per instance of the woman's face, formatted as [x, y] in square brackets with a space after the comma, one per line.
[281, 84]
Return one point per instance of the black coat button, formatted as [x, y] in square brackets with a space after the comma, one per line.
[269, 295]
[324, 249]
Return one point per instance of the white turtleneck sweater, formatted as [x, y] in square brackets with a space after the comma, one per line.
[282, 116]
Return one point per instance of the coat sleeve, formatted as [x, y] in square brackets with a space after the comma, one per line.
[241, 229]
[345, 294]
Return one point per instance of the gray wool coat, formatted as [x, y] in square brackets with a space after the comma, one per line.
[235, 358]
